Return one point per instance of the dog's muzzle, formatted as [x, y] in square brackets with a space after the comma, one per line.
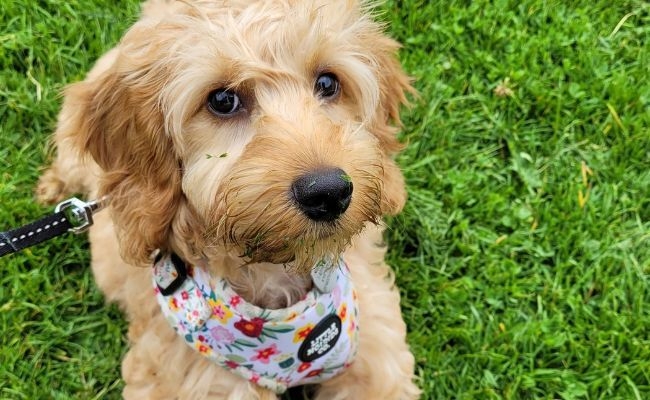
[323, 195]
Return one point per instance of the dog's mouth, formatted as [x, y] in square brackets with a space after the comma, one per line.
[293, 225]
[298, 253]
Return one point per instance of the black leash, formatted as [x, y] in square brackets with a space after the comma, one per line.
[72, 215]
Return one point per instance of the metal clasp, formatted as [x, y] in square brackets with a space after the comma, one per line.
[80, 213]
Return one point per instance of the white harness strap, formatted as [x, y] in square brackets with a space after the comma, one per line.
[309, 342]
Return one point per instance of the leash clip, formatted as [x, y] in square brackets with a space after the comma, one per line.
[80, 213]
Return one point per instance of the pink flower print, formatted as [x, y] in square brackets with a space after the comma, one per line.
[264, 354]
[222, 335]
[194, 318]
[336, 294]
[220, 311]
[351, 327]
[255, 378]
[185, 295]
[284, 380]
[235, 300]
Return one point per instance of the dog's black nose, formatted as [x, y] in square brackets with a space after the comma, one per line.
[323, 195]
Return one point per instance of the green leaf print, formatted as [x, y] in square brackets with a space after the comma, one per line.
[236, 358]
[245, 342]
[280, 328]
[320, 309]
[267, 333]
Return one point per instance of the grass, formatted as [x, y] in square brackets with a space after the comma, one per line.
[523, 254]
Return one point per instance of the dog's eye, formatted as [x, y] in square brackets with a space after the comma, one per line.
[327, 86]
[223, 102]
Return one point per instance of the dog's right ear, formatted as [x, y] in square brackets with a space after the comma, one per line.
[117, 121]
[394, 85]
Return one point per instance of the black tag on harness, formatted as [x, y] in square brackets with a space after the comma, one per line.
[321, 339]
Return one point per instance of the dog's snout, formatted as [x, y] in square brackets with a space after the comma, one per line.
[323, 195]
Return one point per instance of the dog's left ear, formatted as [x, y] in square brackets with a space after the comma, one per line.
[115, 118]
[394, 85]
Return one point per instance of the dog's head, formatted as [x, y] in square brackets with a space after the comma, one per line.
[266, 127]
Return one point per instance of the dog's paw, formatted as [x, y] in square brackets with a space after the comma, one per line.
[50, 188]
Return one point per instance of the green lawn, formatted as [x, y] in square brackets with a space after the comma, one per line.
[523, 254]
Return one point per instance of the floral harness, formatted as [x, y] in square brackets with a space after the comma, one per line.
[309, 342]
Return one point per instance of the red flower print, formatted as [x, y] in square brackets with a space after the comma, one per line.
[351, 327]
[185, 295]
[314, 373]
[234, 301]
[264, 354]
[304, 367]
[255, 378]
[231, 364]
[252, 328]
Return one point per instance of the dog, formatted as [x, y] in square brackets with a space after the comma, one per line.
[246, 149]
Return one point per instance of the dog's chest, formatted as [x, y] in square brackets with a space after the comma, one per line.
[309, 342]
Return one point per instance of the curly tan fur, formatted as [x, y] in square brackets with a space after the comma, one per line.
[215, 190]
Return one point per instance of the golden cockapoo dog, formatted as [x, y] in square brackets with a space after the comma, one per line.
[253, 139]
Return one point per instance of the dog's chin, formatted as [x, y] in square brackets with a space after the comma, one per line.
[297, 255]
[295, 249]
[263, 226]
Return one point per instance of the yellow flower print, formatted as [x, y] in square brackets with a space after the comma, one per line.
[220, 311]
[203, 348]
[173, 304]
[302, 333]
[343, 311]
[291, 316]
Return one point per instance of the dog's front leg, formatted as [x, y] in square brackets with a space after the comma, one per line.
[160, 366]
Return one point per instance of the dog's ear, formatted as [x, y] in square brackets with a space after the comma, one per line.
[394, 85]
[118, 122]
